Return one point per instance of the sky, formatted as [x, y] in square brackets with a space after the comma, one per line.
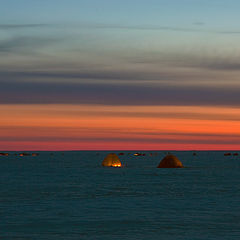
[119, 75]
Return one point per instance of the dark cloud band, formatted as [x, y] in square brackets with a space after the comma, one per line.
[115, 94]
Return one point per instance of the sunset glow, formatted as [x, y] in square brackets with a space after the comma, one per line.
[96, 127]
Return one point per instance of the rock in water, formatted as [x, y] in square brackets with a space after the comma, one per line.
[170, 161]
[111, 160]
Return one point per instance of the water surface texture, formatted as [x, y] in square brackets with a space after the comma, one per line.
[71, 196]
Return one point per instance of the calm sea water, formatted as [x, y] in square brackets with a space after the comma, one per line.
[70, 196]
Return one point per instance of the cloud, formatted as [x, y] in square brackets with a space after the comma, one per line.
[141, 27]
[115, 94]
[167, 115]
[25, 44]
[87, 74]
[103, 26]
[22, 26]
[163, 82]
[119, 26]
[201, 60]
[95, 26]
[160, 140]
[221, 65]
[156, 28]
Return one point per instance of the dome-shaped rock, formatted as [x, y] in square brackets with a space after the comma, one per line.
[170, 161]
[111, 160]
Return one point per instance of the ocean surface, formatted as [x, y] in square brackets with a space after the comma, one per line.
[69, 195]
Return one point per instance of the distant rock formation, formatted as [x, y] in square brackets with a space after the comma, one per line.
[227, 154]
[170, 161]
[4, 154]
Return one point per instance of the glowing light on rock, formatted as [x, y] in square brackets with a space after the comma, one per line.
[111, 160]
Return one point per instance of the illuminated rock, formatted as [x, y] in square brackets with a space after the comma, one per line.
[35, 154]
[170, 161]
[111, 160]
[137, 154]
[24, 154]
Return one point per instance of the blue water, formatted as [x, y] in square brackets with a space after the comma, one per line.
[70, 196]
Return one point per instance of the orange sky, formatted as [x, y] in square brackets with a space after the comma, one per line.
[92, 127]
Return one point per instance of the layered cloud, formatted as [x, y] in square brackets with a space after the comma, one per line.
[166, 86]
[100, 86]
[116, 94]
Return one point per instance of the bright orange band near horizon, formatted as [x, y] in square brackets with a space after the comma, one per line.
[98, 127]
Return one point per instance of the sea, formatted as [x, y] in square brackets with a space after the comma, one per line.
[69, 195]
